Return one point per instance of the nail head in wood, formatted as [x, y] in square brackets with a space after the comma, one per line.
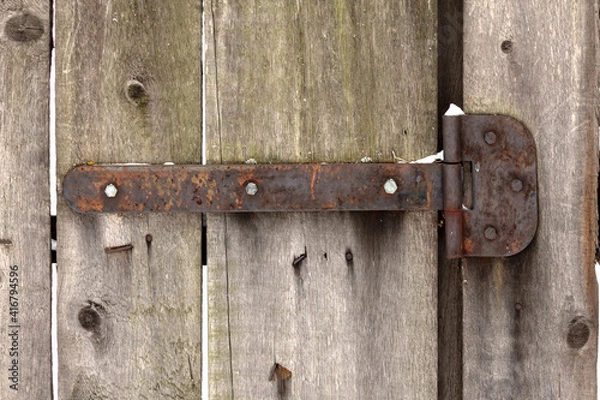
[349, 256]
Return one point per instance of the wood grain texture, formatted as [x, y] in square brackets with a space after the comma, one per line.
[25, 200]
[531, 321]
[129, 90]
[322, 82]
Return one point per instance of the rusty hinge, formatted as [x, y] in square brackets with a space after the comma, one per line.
[486, 186]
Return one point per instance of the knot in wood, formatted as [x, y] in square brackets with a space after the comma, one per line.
[89, 319]
[579, 332]
[24, 28]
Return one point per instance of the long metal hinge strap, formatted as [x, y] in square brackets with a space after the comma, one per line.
[254, 188]
[487, 187]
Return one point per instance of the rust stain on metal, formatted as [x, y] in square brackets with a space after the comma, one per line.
[312, 182]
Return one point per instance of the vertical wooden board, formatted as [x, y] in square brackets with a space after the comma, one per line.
[322, 82]
[129, 90]
[531, 321]
[25, 288]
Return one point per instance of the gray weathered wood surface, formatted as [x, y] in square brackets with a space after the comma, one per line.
[314, 82]
[531, 321]
[24, 200]
[129, 90]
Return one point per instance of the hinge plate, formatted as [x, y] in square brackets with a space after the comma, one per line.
[502, 185]
[503, 217]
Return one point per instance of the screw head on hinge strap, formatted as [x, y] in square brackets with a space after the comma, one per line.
[490, 137]
[390, 186]
[516, 185]
[111, 190]
[491, 233]
[251, 188]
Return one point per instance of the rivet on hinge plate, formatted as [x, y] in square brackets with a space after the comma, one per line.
[498, 151]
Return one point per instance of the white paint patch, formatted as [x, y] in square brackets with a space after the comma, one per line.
[454, 111]
[430, 159]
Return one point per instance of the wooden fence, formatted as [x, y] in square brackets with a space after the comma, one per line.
[374, 311]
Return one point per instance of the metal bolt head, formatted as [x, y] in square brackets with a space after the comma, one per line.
[516, 185]
[490, 233]
[490, 137]
[110, 190]
[390, 186]
[251, 188]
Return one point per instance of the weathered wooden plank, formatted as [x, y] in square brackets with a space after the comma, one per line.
[129, 90]
[25, 289]
[531, 321]
[313, 82]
